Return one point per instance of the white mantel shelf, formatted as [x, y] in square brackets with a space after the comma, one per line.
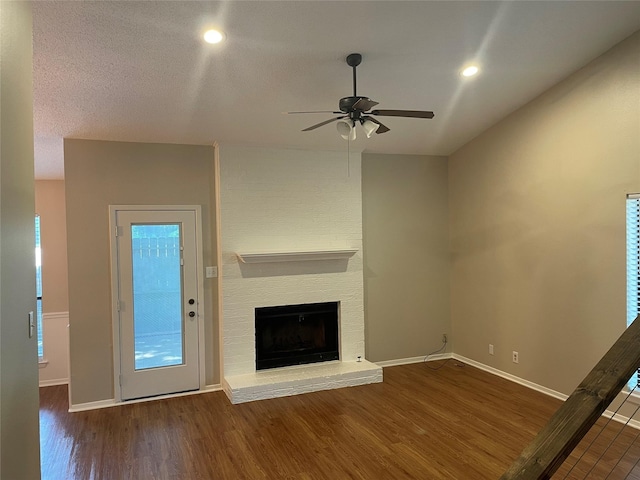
[270, 257]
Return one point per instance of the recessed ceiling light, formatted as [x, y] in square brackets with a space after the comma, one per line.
[213, 36]
[470, 71]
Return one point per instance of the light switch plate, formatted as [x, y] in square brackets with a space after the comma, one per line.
[32, 325]
[211, 272]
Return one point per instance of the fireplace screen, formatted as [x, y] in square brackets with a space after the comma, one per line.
[296, 334]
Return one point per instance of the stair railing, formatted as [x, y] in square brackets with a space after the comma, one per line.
[553, 444]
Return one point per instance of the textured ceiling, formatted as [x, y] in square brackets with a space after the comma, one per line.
[138, 71]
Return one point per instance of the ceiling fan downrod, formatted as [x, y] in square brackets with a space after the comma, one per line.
[353, 60]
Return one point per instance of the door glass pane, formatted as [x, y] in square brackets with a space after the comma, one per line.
[157, 295]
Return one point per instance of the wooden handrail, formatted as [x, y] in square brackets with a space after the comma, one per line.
[553, 444]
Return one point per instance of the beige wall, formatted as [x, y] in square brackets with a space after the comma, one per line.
[19, 444]
[406, 259]
[98, 174]
[53, 237]
[537, 225]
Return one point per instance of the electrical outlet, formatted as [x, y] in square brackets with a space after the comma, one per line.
[490, 349]
[516, 357]
[444, 338]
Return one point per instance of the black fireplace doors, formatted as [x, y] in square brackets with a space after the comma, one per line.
[296, 334]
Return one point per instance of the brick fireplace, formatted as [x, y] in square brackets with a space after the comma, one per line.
[291, 234]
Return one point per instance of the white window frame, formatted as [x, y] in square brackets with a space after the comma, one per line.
[633, 266]
[38, 265]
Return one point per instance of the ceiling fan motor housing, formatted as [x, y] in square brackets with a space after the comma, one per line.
[347, 103]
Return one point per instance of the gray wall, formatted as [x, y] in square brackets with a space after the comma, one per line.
[19, 443]
[99, 174]
[406, 258]
[537, 225]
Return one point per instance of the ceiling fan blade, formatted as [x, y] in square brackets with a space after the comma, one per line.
[403, 113]
[381, 128]
[317, 111]
[313, 127]
[364, 104]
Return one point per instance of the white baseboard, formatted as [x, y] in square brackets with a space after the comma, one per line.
[55, 381]
[212, 388]
[513, 378]
[81, 407]
[386, 363]
[622, 419]
[539, 388]
[407, 361]
[55, 316]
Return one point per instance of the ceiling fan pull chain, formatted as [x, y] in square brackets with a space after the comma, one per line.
[349, 157]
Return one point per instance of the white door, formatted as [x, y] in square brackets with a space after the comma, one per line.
[157, 302]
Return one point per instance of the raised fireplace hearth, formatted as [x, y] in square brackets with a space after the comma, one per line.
[296, 334]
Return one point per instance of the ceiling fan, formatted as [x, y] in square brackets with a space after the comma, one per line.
[357, 109]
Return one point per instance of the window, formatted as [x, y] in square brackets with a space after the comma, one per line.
[39, 291]
[633, 266]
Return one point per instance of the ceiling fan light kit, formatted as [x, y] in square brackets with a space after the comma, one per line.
[346, 129]
[369, 127]
[357, 109]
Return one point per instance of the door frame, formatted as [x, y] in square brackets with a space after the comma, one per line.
[115, 315]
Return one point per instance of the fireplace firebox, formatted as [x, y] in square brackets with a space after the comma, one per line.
[296, 334]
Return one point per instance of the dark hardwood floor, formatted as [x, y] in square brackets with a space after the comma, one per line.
[455, 423]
